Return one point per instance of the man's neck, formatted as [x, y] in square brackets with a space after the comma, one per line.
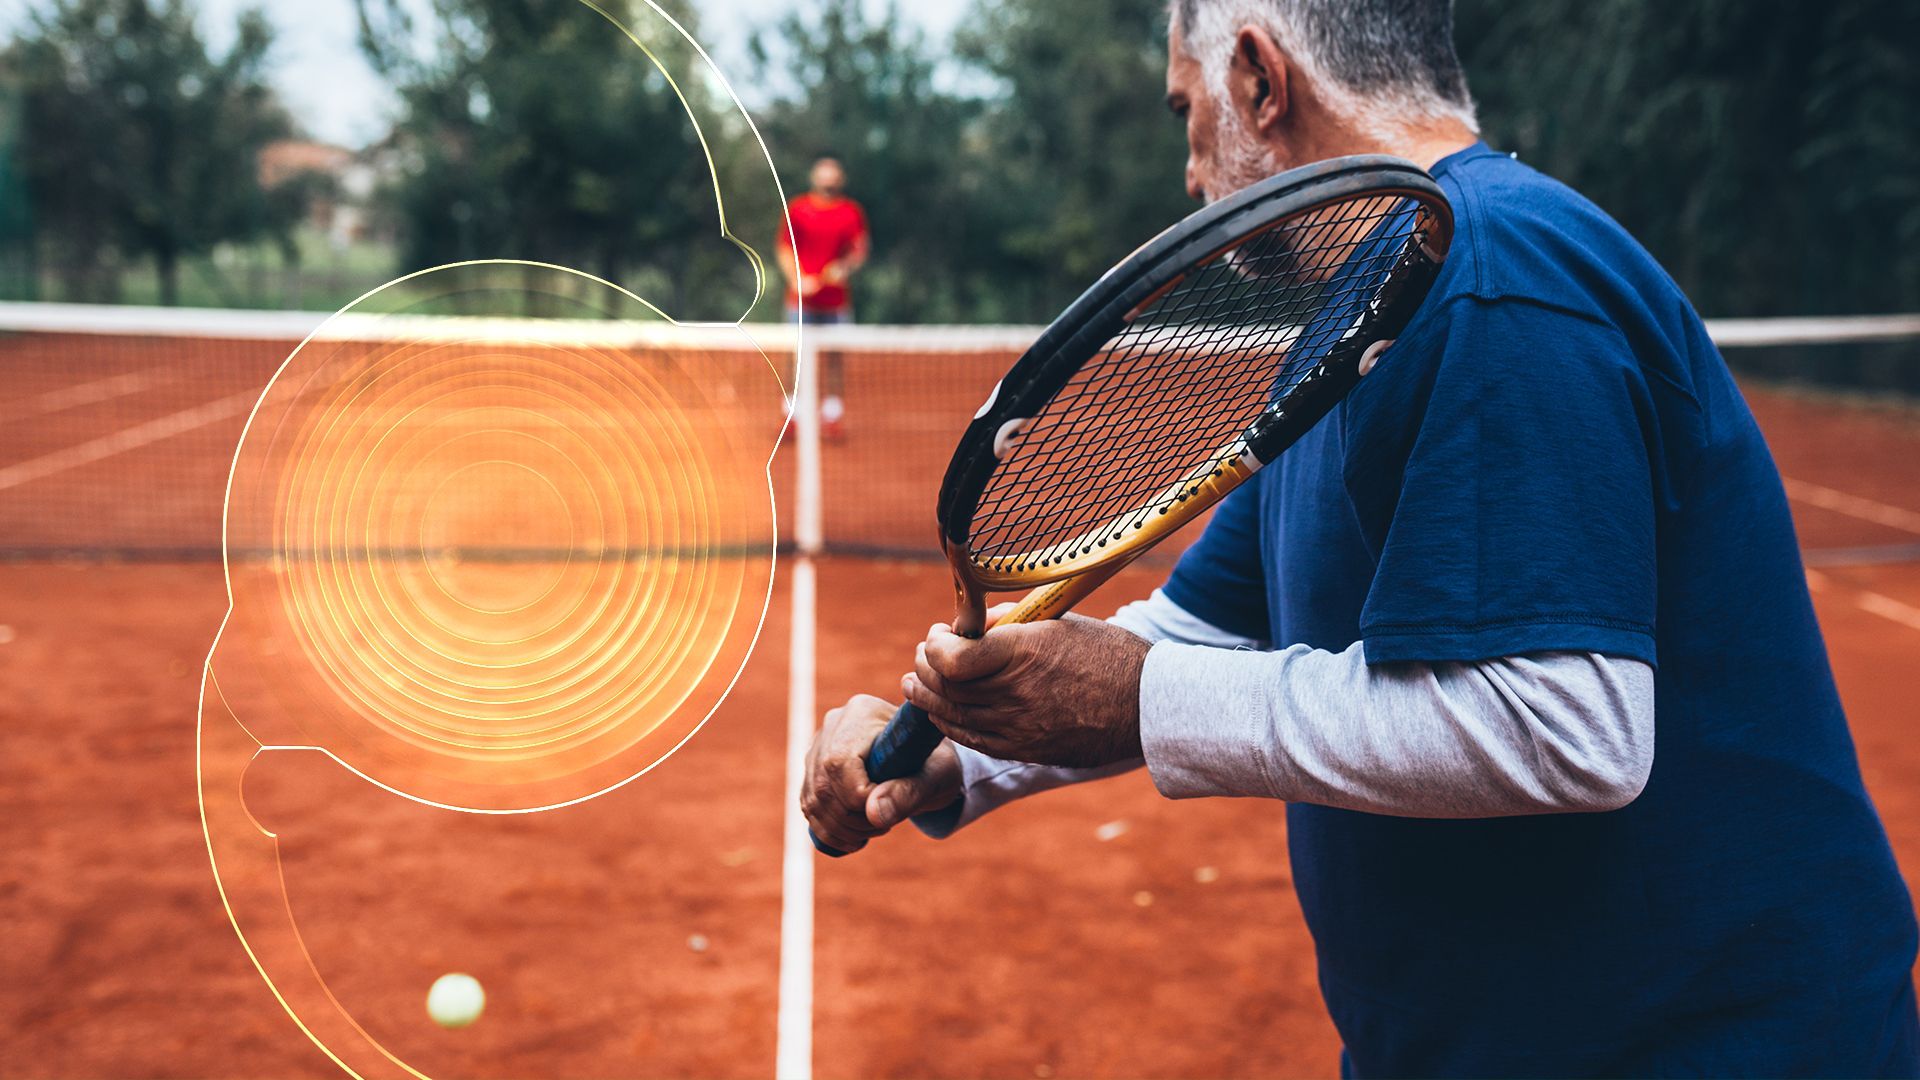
[1430, 152]
[1423, 144]
[1426, 144]
[828, 197]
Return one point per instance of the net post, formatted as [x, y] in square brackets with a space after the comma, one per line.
[807, 533]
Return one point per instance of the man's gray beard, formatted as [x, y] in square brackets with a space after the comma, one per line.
[1240, 160]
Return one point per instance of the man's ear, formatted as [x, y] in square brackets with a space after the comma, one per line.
[1257, 81]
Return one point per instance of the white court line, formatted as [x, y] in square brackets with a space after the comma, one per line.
[1888, 608]
[90, 392]
[1853, 506]
[97, 390]
[1872, 602]
[126, 439]
[793, 1053]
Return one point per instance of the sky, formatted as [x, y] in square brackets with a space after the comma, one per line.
[336, 98]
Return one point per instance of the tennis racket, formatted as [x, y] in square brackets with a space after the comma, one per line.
[1198, 359]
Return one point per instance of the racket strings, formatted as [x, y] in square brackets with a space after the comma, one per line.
[1161, 407]
[1231, 348]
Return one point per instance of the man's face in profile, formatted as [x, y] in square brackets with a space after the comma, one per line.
[1222, 155]
[827, 177]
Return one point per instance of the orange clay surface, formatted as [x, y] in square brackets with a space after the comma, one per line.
[1027, 947]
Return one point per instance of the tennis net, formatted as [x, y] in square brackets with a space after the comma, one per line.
[118, 425]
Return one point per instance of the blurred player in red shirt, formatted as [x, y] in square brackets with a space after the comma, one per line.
[828, 244]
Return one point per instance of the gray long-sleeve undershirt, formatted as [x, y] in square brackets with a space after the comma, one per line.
[1542, 733]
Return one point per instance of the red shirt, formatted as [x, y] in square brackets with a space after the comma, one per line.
[822, 232]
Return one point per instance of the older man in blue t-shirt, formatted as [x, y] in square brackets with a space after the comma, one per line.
[1520, 632]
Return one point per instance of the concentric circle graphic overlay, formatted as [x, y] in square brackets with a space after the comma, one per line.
[500, 561]
[499, 538]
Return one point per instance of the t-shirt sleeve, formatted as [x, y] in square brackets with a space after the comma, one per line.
[1524, 517]
[1220, 579]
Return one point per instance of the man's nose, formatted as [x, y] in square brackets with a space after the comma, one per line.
[1194, 190]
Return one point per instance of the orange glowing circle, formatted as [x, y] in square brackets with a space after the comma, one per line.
[514, 554]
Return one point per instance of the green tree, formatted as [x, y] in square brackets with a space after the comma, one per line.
[865, 89]
[1001, 178]
[1080, 160]
[1766, 153]
[138, 140]
[535, 129]
[17, 261]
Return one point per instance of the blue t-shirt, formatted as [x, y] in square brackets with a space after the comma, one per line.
[1554, 457]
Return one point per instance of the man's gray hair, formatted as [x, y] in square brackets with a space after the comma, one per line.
[1384, 63]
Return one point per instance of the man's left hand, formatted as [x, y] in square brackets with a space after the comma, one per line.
[1061, 692]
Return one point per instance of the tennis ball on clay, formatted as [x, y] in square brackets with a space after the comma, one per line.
[455, 1000]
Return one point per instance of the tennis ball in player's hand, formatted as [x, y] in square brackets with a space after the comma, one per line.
[455, 1000]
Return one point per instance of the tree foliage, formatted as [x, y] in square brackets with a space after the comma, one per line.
[999, 178]
[1766, 153]
[138, 140]
[1081, 159]
[865, 90]
[535, 129]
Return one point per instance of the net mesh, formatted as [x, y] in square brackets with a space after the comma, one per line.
[1167, 398]
[120, 439]
[117, 427]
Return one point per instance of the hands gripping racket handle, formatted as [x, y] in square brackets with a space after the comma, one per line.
[910, 738]
[902, 747]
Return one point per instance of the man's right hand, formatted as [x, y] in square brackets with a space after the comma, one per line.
[843, 807]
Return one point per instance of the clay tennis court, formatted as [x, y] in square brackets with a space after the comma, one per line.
[1100, 931]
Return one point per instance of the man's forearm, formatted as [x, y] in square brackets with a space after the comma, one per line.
[1559, 732]
[784, 258]
[988, 783]
[1552, 733]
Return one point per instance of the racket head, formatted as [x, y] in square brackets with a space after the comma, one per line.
[1191, 363]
